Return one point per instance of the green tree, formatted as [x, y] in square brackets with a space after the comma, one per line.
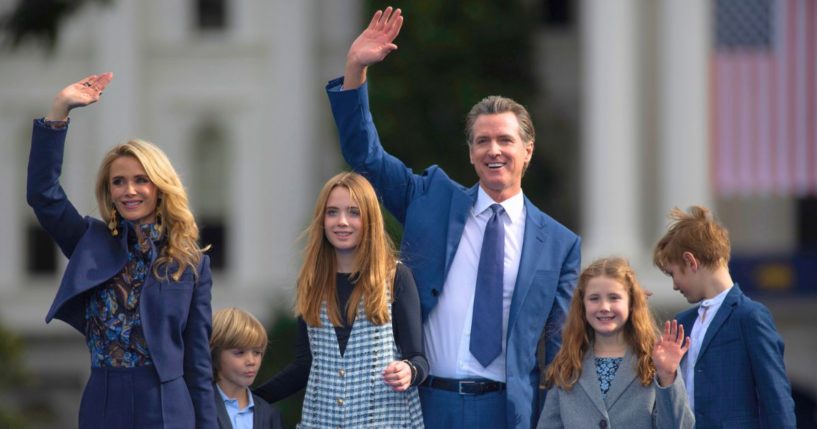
[11, 377]
[38, 20]
[280, 353]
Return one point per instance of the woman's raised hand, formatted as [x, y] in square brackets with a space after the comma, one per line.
[78, 94]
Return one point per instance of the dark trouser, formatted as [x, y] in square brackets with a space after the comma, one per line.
[122, 398]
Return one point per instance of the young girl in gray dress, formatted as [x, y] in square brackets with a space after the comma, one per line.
[613, 370]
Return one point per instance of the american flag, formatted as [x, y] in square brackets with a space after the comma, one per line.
[762, 98]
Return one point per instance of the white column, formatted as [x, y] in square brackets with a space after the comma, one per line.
[683, 154]
[276, 198]
[610, 121]
[117, 41]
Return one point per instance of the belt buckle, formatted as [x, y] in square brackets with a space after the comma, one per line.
[466, 382]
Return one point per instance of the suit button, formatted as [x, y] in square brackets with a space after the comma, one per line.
[603, 424]
[435, 293]
[339, 401]
[342, 372]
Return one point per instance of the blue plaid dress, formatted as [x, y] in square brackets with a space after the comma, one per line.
[348, 391]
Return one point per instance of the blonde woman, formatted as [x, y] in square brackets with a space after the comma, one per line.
[360, 348]
[137, 284]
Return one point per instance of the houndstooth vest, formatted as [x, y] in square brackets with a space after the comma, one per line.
[348, 391]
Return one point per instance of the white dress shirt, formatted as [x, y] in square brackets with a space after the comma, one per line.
[448, 328]
[706, 312]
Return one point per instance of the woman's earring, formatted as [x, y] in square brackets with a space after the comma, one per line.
[112, 224]
[158, 224]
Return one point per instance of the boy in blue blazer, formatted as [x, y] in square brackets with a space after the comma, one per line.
[734, 371]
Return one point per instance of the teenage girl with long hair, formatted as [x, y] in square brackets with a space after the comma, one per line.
[359, 350]
[137, 284]
[613, 369]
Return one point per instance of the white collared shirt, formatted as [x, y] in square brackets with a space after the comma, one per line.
[239, 418]
[709, 308]
[448, 328]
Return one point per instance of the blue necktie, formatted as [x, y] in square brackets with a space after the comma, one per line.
[486, 322]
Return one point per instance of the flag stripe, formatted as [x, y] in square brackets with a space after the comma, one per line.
[763, 98]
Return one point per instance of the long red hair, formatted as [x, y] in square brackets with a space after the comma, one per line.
[640, 331]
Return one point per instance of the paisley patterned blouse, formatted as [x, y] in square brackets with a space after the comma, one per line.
[606, 368]
[113, 323]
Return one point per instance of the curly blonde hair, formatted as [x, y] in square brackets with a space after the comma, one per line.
[374, 264]
[178, 224]
[640, 330]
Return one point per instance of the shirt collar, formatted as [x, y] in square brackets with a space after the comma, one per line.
[514, 206]
[234, 402]
[717, 299]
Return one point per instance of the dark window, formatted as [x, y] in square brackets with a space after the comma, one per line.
[209, 188]
[41, 252]
[213, 233]
[211, 14]
[558, 13]
[807, 223]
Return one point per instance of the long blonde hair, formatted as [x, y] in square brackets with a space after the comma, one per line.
[178, 223]
[640, 331]
[374, 263]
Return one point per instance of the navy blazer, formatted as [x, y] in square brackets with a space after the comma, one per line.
[175, 314]
[740, 378]
[264, 416]
[433, 210]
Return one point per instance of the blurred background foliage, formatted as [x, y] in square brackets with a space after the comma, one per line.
[39, 21]
[451, 55]
[12, 377]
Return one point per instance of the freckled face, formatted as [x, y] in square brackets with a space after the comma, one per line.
[607, 306]
[341, 221]
[132, 192]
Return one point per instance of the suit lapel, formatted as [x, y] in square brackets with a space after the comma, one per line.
[625, 376]
[531, 254]
[460, 209]
[720, 317]
[257, 417]
[221, 410]
[589, 382]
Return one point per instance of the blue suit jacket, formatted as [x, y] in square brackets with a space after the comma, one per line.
[433, 209]
[175, 314]
[740, 378]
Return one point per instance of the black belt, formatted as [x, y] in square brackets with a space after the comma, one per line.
[464, 387]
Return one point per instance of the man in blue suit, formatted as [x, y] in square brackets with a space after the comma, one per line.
[481, 351]
[734, 372]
